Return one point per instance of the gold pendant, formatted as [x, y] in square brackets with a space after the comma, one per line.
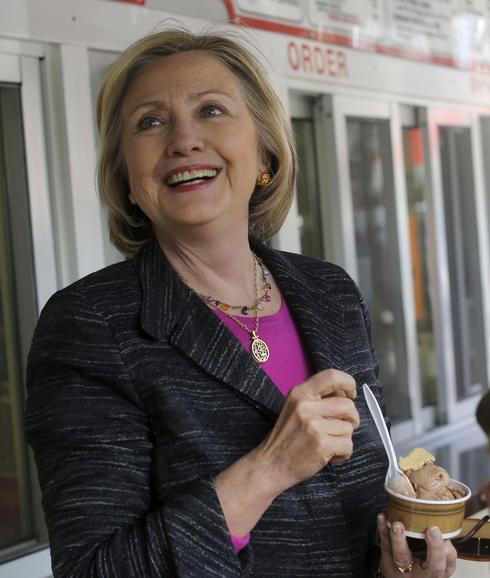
[260, 351]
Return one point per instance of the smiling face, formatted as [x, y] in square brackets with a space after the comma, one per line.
[190, 145]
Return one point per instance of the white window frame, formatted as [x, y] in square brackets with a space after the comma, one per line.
[20, 64]
[343, 107]
[456, 116]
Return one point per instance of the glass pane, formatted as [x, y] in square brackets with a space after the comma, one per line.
[307, 189]
[475, 467]
[418, 214]
[464, 269]
[17, 518]
[472, 466]
[485, 131]
[377, 253]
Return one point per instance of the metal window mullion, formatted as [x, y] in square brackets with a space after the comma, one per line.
[327, 163]
[80, 141]
[459, 278]
[288, 237]
[483, 232]
[405, 255]
[344, 191]
[37, 177]
[439, 266]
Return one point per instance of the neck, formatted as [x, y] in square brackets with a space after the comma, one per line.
[222, 267]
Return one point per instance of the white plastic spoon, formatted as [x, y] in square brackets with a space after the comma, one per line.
[396, 480]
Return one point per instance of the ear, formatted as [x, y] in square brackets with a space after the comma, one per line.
[266, 159]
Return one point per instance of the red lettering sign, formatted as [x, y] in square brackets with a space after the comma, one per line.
[316, 59]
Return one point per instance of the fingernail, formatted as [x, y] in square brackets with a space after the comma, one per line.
[435, 534]
[381, 520]
[396, 529]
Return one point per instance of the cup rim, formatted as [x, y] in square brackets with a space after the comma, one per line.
[467, 496]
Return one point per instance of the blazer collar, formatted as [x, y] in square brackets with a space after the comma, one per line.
[312, 301]
[173, 311]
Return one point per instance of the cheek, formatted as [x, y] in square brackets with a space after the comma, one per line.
[140, 155]
[242, 149]
[135, 162]
[246, 163]
[139, 168]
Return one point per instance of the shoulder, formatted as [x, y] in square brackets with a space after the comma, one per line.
[324, 277]
[103, 290]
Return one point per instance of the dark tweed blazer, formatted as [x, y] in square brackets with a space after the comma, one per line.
[138, 395]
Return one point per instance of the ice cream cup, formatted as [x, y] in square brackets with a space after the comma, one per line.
[417, 515]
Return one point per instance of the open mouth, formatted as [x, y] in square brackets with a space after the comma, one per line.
[192, 177]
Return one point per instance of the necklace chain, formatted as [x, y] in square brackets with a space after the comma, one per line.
[245, 309]
[240, 323]
[259, 347]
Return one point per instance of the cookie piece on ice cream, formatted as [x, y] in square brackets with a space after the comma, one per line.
[416, 460]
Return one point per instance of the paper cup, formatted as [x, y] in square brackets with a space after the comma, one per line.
[417, 515]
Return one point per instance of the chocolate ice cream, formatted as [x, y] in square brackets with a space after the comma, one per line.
[430, 482]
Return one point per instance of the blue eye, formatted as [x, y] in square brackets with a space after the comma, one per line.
[212, 110]
[148, 122]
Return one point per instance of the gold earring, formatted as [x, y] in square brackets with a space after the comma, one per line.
[131, 199]
[264, 177]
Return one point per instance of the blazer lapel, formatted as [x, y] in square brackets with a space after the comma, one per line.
[311, 299]
[170, 310]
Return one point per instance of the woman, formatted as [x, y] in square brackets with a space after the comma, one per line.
[168, 435]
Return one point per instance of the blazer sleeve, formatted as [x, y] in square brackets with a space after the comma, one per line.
[373, 554]
[93, 448]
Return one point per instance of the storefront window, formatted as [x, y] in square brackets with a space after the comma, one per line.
[377, 253]
[21, 525]
[463, 259]
[311, 232]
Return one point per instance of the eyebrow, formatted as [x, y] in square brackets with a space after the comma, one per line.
[155, 102]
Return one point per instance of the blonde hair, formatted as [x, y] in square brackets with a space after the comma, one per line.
[129, 227]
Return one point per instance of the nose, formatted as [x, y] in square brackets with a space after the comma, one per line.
[183, 138]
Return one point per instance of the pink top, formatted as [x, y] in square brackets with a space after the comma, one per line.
[288, 364]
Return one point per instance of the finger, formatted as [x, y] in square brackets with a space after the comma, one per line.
[330, 382]
[332, 408]
[326, 446]
[330, 440]
[436, 552]
[386, 563]
[384, 534]
[337, 427]
[451, 557]
[339, 408]
[319, 431]
[402, 556]
[338, 449]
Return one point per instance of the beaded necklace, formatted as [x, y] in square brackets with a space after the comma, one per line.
[244, 309]
[259, 347]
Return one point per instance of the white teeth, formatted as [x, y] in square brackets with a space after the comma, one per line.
[188, 175]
